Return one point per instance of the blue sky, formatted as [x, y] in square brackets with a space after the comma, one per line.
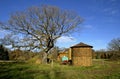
[101, 19]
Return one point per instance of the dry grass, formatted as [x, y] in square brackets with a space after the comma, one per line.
[101, 69]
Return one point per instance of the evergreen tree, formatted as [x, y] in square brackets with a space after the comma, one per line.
[3, 53]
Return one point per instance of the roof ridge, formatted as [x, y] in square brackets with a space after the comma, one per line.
[81, 44]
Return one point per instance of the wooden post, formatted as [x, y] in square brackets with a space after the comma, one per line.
[51, 63]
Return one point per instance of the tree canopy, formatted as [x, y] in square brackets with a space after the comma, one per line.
[39, 27]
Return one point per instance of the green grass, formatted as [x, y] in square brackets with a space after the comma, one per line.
[101, 69]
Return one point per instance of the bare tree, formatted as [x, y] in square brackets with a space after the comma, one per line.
[114, 45]
[114, 48]
[39, 27]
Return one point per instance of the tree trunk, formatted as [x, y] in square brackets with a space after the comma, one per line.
[44, 58]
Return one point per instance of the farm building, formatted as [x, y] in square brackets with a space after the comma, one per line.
[80, 54]
[62, 54]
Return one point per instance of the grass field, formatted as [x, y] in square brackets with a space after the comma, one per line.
[101, 69]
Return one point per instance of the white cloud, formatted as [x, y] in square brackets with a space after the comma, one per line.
[88, 26]
[107, 9]
[113, 12]
[110, 11]
[89, 17]
[3, 33]
[111, 8]
[66, 39]
[113, 0]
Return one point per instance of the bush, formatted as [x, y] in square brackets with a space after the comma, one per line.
[115, 56]
[35, 60]
[20, 55]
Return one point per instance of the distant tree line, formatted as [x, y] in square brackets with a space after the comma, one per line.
[21, 55]
[16, 55]
[102, 55]
[113, 51]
